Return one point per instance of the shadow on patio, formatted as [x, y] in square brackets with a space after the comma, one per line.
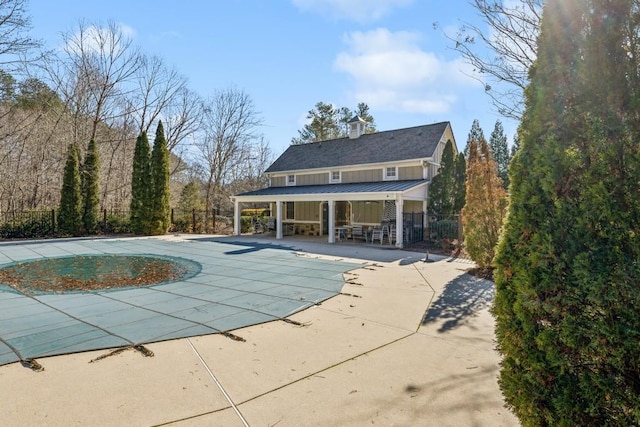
[462, 298]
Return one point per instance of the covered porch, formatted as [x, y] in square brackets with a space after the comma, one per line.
[372, 211]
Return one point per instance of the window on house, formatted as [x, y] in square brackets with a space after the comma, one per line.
[335, 176]
[291, 180]
[391, 173]
[289, 211]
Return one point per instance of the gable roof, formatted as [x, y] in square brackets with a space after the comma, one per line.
[388, 146]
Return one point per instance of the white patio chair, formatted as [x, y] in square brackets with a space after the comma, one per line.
[377, 234]
[356, 232]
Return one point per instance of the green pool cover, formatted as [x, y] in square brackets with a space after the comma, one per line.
[220, 285]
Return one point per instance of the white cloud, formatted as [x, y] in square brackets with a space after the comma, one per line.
[355, 10]
[391, 72]
[94, 38]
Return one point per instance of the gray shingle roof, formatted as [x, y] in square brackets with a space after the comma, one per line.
[388, 146]
[361, 187]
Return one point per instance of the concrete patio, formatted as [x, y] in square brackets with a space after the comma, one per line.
[405, 343]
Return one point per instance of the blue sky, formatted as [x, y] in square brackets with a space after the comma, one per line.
[287, 55]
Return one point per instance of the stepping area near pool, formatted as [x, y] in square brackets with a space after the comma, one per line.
[402, 342]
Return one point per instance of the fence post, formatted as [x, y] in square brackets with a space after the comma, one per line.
[53, 221]
[104, 220]
[193, 220]
[214, 220]
[172, 221]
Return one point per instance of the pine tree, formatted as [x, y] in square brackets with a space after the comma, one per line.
[485, 205]
[160, 215]
[500, 151]
[91, 188]
[443, 185]
[514, 147]
[140, 185]
[70, 211]
[567, 274]
[328, 122]
[475, 134]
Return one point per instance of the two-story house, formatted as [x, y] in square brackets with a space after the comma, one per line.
[363, 180]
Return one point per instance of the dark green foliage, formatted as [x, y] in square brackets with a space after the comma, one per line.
[140, 185]
[191, 197]
[460, 187]
[35, 94]
[117, 224]
[328, 122]
[160, 213]
[444, 229]
[514, 147]
[475, 134]
[500, 151]
[245, 224]
[91, 189]
[28, 225]
[442, 191]
[567, 273]
[70, 211]
[7, 87]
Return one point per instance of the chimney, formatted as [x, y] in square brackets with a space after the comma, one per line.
[356, 127]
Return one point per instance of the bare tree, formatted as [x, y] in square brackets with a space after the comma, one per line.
[511, 39]
[15, 44]
[229, 127]
[162, 93]
[249, 175]
[158, 87]
[182, 117]
[101, 63]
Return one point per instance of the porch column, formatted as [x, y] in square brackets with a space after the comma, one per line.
[332, 221]
[425, 220]
[278, 219]
[399, 222]
[237, 227]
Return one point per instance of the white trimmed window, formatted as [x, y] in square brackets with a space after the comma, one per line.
[335, 177]
[291, 180]
[391, 173]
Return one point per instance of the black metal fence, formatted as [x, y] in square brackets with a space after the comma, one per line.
[42, 223]
[29, 224]
[435, 232]
[439, 233]
[413, 227]
[444, 231]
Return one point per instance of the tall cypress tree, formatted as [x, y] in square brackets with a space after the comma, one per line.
[443, 185]
[485, 206]
[140, 185]
[91, 188]
[70, 211]
[460, 190]
[567, 301]
[160, 215]
[500, 152]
